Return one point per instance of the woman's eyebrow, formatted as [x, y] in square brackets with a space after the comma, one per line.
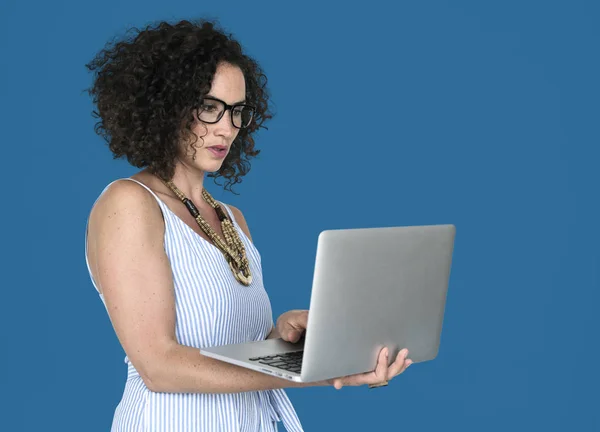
[235, 103]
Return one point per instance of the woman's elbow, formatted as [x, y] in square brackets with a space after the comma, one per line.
[150, 371]
[151, 383]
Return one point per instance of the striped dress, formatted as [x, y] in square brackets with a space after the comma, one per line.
[212, 309]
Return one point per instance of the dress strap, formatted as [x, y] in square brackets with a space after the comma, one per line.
[158, 200]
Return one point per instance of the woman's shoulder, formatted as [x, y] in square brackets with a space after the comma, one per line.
[126, 201]
[124, 192]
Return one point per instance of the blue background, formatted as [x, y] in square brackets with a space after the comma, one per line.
[480, 114]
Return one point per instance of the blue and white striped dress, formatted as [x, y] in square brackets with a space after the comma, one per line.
[212, 309]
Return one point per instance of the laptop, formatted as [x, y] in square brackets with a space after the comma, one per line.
[372, 288]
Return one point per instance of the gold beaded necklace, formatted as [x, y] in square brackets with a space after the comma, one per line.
[232, 247]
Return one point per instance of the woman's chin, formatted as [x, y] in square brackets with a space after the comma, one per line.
[211, 166]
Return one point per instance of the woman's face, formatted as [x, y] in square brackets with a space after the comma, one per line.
[228, 86]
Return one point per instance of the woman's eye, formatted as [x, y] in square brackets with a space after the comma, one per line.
[208, 108]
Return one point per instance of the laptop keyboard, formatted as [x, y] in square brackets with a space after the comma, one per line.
[290, 361]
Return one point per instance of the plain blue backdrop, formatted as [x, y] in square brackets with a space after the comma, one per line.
[481, 114]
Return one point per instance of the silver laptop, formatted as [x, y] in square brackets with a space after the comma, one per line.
[372, 288]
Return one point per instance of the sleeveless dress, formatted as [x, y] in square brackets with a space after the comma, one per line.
[212, 309]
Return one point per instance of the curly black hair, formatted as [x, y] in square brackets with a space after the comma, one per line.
[147, 87]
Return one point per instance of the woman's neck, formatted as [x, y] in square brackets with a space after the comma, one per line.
[190, 182]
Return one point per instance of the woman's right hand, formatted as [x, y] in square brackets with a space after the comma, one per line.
[382, 372]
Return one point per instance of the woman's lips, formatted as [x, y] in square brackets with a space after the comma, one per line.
[218, 152]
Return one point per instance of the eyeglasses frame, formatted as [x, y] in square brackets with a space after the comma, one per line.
[227, 107]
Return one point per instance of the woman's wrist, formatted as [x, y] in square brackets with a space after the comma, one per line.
[323, 383]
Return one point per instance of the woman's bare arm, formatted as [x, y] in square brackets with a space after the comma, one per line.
[130, 267]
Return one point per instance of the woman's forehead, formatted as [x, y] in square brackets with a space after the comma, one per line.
[228, 84]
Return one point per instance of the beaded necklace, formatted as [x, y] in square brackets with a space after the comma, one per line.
[231, 247]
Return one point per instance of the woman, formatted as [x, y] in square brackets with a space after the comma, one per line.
[177, 270]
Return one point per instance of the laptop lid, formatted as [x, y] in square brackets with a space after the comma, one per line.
[376, 287]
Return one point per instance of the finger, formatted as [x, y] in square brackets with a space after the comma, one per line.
[381, 370]
[377, 376]
[399, 365]
[289, 333]
[407, 363]
[293, 328]
[298, 320]
[303, 319]
[338, 383]
[294, 335]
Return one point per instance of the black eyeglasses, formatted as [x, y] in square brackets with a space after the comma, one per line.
[211, 110]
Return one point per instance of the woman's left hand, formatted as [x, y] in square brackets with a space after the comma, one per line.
[382, 373]
[292, 324]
